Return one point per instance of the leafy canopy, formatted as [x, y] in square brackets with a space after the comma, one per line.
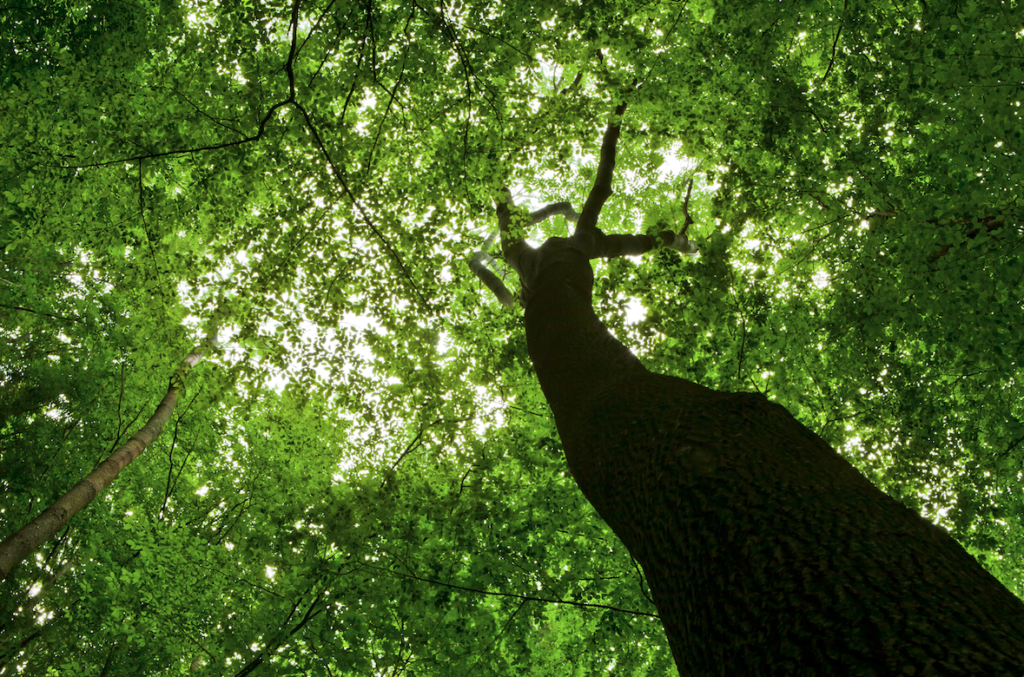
[365, 477]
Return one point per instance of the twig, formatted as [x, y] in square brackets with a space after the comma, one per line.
[527, 598]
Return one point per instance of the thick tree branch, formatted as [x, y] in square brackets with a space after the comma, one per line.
[512, 247]
[490, 280]
[555, 208]
[602, 189]
[512, 243]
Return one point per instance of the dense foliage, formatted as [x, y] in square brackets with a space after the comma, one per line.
[365, 478]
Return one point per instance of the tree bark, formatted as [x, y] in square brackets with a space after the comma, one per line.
[766, 552]
[26, 540]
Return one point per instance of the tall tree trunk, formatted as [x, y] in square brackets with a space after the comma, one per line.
[766, 552]
[26, 540]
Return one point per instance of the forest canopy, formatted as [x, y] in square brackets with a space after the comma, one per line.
[362, 475]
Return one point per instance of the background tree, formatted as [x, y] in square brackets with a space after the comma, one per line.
[372, 432]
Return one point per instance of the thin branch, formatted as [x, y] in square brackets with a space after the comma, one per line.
[250, 666]
[355, 80]
[498, 38]
[387, 111]
[170, 468]
[525, 598]
[640, 574]
[60, 541]
[358, 206]
[496, 638]
[309, 613]
[316, 25]
[419, 437]
[527, 411]
[1012, 447]
[408, 449]
[39, 312]
[832, 61]
[188, 151]
[206, 115]
[193, 640]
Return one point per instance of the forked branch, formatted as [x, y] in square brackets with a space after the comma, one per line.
[587, 238]
[512, 245]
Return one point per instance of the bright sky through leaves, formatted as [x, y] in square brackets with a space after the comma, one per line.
[312, 178]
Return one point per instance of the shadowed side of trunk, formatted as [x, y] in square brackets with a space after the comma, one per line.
[766, 552]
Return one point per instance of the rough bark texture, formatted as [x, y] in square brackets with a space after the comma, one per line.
[766, 552]
[26, 540]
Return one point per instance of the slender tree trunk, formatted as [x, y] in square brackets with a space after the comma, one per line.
[26, 540]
